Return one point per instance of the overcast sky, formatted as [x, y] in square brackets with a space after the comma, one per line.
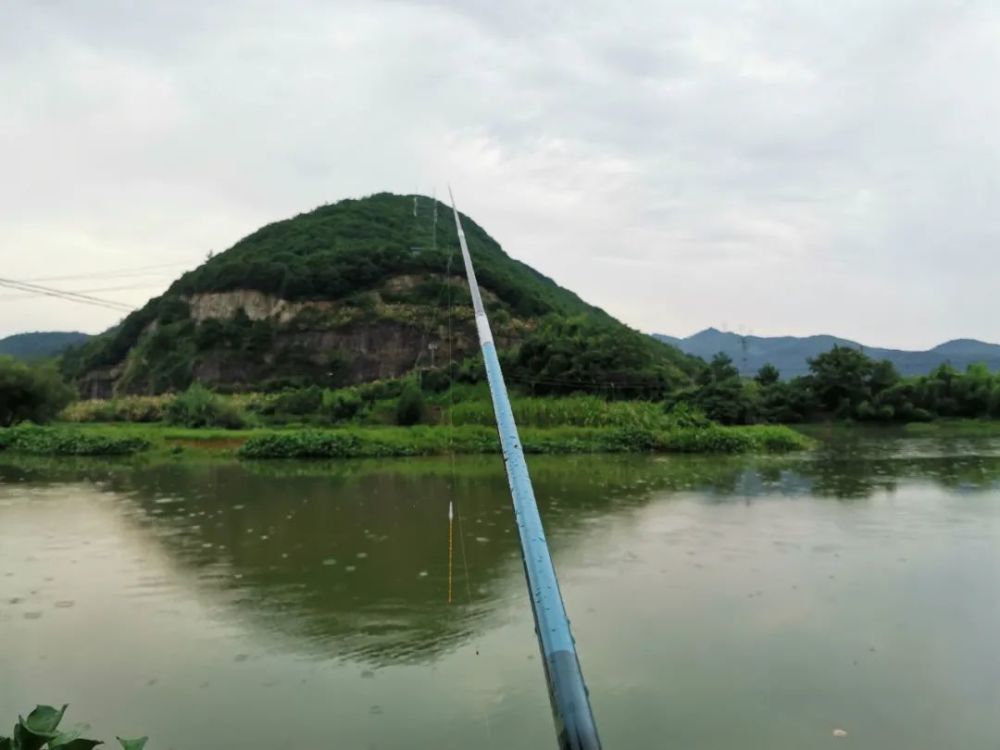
[778, 168]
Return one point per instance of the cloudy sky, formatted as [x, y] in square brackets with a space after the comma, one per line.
[771, 167]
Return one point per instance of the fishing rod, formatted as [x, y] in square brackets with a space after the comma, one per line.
[568, 694]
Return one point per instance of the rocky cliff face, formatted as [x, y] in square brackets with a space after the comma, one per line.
[241, 339]
[354, 355]
[255, 305]
[99, 383]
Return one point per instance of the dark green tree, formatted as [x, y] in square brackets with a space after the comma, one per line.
[31, 392]
[721, 368]
[581, 354]
[767, 375]
[840, 379]
[410, 408]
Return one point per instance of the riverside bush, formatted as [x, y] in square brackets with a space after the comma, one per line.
[126, 409]
[371, 442]
[30, 392]
[67, 441]
[437, 440]
[199, 407]
[577, 411]
[410, 408]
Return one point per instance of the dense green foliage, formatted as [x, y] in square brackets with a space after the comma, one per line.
[199, 407]
[569, 411]
[30, 392]
[341, 249]
[424, 440]
[843, 383]
[40, 344]
[583, 355]
[68, 441]
[136, 409]
[40, 731]
[410, 407]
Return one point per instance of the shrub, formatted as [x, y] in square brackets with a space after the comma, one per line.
[684, 414]
[630, 439]
[40, 731]
[298, 402]
[125, 409]
[342, 404]
[576, 411]
[199, 407]
[379, 390]
[436, 440]
[410, 409]
[714, 439]
[62, 441]
[437, 380]
[717, 439]
[304, 444]
[30, 392]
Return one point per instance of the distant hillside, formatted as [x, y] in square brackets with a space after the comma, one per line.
[789, 353]
[40, 344]
[356, 291]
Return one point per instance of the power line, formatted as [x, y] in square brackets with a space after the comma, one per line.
[122, 273]
[29, 295]
[86, 299]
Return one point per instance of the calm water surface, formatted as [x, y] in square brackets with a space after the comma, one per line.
[717, 602]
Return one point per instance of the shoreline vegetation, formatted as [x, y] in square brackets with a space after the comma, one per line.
[442, 412]
[162, 441]
[386, 442]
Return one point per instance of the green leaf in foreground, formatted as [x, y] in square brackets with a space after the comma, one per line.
[137, 744]
[44, 720]
[77, 743]
[40, 727]
[71, 740]
[6, 744]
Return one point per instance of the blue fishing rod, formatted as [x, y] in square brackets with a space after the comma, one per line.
[568, 695]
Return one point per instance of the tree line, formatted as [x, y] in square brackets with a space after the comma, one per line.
[567, 357]
[842, 384]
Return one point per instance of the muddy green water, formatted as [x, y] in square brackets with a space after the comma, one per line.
[717, 602]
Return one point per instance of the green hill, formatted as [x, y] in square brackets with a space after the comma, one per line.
[362, 290]
[40, 344]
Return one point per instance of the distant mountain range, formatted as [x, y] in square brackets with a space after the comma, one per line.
[40, 344]
[789, 353]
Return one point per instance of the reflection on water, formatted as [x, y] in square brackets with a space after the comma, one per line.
[717, 601]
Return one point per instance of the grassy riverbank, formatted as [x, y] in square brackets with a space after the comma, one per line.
[359, 442]
[939, 428]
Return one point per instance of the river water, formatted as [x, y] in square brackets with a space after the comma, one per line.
[759, 603]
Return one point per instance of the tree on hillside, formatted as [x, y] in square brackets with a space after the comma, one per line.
[581, 354]
[767, 375]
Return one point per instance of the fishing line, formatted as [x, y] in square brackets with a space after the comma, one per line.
[454, 513]
[452, 507]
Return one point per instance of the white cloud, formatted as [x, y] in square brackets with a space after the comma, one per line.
[788, 167]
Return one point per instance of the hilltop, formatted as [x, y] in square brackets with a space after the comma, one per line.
[362, 290]
[789, 353]
[40, 344]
